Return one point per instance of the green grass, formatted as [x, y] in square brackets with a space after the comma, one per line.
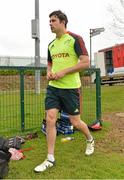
[112, 98]
[10, 114]
[71, 163]
[10, 109]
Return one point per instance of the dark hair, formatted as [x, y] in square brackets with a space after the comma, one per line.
[60, 15]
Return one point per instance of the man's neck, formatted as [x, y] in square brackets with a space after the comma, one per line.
[60, 34]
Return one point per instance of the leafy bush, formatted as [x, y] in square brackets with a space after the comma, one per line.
[8, 72]
[26, 71]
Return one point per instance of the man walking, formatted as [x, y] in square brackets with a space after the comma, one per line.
[67, 55]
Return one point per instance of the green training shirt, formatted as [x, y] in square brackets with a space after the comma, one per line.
[63, 53]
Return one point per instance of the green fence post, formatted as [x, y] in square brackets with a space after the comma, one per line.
[22, 99]
[98, 96]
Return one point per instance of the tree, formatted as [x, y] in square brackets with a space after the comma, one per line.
[116, 10]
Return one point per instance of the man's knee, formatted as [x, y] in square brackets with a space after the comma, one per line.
[51, 117]
[75, 122]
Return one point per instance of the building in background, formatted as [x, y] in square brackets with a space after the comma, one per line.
[111, 63]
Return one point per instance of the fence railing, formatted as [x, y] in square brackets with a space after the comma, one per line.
[22, 109]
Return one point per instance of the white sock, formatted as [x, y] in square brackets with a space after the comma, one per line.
[90, 139]
[50, 157]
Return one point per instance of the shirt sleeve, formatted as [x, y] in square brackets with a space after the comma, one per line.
[79, 46]
[49, 59]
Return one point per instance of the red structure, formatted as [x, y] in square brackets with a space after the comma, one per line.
[111, 63]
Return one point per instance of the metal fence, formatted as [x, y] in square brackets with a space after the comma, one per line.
[22, 109]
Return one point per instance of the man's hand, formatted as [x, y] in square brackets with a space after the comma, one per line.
[50, 76]
[59, 75]
[55, 76]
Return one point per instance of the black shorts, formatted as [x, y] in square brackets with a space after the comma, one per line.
[66, 100]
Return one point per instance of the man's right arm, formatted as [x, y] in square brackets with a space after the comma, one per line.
[49, 71]
[49, 66]
[50, 74]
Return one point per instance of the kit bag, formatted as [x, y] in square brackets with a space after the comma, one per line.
[4, 163]
[5, 155]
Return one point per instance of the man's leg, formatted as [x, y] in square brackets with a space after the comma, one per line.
[51, 117]
[80, 125]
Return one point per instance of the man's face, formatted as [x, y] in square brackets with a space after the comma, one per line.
[55, 24]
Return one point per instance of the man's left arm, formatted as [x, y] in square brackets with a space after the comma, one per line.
[81, 65]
